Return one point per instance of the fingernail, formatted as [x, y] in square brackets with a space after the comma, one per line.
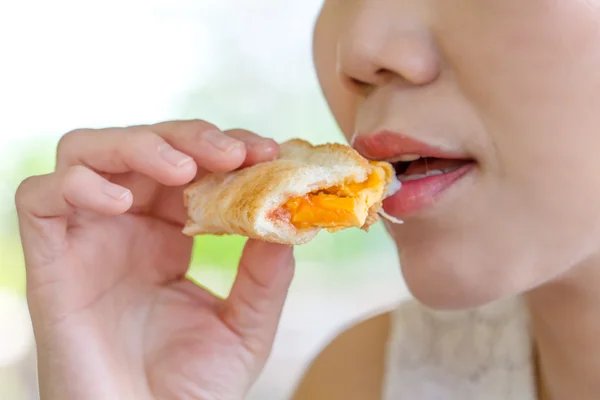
[172, 156]
[222, 141]
[115, 191]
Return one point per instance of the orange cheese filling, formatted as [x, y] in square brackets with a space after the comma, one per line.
[334, 207]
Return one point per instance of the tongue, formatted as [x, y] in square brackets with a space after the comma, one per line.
[423, 165]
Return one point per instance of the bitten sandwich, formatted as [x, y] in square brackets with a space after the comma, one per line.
[289, 200]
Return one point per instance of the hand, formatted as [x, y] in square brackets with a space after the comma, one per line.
[113, 313]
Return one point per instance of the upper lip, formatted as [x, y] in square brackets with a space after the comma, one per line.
[387, 145]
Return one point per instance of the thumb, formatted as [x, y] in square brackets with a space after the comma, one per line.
[254, 305]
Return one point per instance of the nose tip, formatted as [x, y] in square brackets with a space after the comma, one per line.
[373, 56]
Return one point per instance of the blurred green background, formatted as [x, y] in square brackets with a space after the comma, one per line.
[235, 63]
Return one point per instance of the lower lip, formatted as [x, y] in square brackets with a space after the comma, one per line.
[420, 194]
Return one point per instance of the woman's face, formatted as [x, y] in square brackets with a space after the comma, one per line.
[513, 86]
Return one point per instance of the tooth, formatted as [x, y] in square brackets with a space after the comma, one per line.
[451, 169]
[414, 177]
[434, 172]
[409, 157]
[405, 158]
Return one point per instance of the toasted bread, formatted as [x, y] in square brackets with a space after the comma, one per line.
[290, 199]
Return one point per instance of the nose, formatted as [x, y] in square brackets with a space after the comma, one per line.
[381, 43]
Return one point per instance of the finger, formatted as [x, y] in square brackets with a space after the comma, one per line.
[59, 194]
[123, 150]
[254, 305]
[211, 149]
[44, 202]
[258, 149]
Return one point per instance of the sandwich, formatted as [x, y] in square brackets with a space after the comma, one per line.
[291, 199]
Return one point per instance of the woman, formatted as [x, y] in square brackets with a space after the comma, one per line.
[502, 258]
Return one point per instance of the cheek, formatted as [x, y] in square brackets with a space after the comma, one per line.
[341, 102]
[544, 134]
[518, 231]
[531, 71]
[534, 211]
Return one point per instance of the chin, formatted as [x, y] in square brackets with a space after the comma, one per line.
[455, 297]
[457, 279]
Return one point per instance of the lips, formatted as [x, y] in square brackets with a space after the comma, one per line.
[426, 172]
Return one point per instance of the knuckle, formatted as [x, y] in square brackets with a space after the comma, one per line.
[67, 141]
[131, 142]
[200, 136]
[198, 129]
[238, 132]
[140, 137]
[24, 190]
[251, 138]
[200, 124]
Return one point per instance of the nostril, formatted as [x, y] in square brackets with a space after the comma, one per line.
[383, 75]
[364, 87]
[356, 86]
[357, 82]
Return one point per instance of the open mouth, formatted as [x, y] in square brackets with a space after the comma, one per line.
[413, 167]
[424, 179]
[426, 172]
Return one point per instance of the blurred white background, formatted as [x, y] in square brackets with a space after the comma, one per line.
[69, 64]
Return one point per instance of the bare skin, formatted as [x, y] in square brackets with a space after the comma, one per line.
[351, 367]
[113, 313]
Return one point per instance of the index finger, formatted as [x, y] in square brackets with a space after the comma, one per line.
[138, 148]
[211, 148]
[258, 149]
[152, 150]
[182, 133]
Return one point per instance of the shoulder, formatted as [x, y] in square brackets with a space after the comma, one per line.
[351, 366]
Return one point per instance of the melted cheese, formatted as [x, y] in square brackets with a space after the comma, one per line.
[334, 207]
[322, 210]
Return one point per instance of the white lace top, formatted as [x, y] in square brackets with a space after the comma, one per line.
[482, 354]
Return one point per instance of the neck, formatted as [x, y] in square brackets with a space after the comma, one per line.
[566, 326]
